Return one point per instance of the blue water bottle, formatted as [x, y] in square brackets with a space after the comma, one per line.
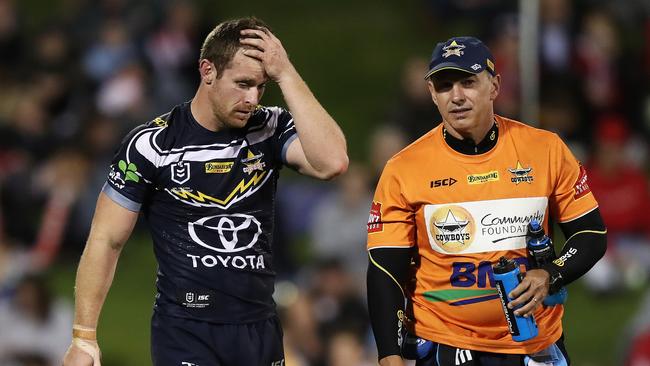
[540, 252]
[507, 276]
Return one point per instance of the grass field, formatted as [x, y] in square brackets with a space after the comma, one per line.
[592, 326]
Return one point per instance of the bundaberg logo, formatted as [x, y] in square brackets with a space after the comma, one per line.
[481, 178]
[452, 228]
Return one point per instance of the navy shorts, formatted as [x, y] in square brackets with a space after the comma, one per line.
[443, 355]
[186, 342]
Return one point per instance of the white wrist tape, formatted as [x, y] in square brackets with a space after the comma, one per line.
[89, 347]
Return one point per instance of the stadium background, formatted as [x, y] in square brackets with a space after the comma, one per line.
[75, 75]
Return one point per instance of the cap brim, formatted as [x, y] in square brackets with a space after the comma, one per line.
[450, 66]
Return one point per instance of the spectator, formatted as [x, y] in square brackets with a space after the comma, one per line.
[624, 201]
[413, 111]
[339, 219]
[38, 324]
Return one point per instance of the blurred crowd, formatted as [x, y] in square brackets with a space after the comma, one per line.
[73, 87]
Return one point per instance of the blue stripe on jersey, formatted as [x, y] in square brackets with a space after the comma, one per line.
[285, 147]
[120, 199]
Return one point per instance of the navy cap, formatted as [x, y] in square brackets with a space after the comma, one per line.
[467, 54]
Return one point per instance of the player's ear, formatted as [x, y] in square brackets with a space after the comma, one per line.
[496, 86]
[432, 90]
[208, 71]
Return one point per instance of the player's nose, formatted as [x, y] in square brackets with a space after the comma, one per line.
[252, 96]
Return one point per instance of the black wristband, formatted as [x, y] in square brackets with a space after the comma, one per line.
[555, 279]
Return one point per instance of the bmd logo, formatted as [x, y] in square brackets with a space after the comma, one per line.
[226, 233]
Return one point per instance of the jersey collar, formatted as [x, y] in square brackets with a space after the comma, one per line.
[468, 147]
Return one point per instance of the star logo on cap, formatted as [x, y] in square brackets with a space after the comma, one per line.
[453, 49]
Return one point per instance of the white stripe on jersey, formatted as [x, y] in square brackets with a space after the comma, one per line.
[145, 144]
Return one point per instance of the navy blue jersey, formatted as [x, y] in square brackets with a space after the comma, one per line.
[208, 198]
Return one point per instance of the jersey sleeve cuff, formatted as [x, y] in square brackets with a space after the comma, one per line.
[285, 147]
[120, 199]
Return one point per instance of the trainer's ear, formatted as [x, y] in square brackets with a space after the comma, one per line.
[432, 90]
[496, 86]
[208, 71]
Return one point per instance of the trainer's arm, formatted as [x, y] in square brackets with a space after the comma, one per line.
[111, 227]
[388, 270]
[586, 243]
[320, 150]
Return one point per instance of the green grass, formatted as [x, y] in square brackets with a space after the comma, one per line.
[593, 326]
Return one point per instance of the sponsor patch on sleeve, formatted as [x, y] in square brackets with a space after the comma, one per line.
[581, 187]
[375, 224]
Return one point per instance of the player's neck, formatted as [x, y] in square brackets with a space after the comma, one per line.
[202, 113]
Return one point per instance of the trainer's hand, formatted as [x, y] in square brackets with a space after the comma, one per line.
[392, 360]
[267, 48]
[530, 292]
[82, 353]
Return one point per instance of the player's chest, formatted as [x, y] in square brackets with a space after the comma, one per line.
[217, 178]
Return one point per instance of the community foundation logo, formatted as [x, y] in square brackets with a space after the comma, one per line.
[452, 228]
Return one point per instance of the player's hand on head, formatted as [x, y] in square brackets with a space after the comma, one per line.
[530, 292]
[267, 48]
[84, 353]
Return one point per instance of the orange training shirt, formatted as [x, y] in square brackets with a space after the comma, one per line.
[463, 213]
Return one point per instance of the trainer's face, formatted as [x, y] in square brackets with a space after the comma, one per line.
[235, 93]
[465, 101]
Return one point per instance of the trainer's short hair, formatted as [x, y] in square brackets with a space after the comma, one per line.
[221, 44]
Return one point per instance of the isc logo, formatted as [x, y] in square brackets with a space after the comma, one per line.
[204, 297]
[443, 182]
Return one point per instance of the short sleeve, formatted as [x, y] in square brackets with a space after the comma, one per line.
[131, 173]
[571, 198]
[391, 222]
[285, 132]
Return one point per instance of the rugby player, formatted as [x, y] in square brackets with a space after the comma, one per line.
[204, 176]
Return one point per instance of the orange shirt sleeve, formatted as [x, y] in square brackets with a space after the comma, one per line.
[571, 196]
[392, 221]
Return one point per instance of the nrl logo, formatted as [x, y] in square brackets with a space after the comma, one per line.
[520, 174]
[453, 49]
[253, 162]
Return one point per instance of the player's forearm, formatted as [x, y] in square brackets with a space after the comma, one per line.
[111, 227]
[322, 140]
[94, 278]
